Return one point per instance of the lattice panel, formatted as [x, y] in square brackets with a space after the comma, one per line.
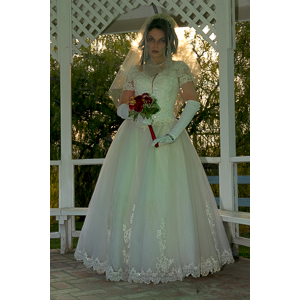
[91, 17]
[53, 29]
[200, 14]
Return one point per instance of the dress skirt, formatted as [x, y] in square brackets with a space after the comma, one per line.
[152, 216]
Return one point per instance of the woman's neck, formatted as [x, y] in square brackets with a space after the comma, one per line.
[158, 62]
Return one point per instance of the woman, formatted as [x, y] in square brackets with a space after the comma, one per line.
[153, 216]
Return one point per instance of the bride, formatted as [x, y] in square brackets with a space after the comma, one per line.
[153, 216]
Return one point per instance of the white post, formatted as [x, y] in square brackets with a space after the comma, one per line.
[226, 44]
[66, 179]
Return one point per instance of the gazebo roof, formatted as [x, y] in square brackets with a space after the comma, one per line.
[134, 19]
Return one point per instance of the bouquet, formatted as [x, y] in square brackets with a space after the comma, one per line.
[146, 106]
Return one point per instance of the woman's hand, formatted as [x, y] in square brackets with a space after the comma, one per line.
[167, 139]
[187, 115]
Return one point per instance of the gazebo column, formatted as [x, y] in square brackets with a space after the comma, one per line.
[66, 184]
[227, 170]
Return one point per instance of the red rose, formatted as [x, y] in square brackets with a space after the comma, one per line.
[137, 103]
[148, 100]
[138, 107]
[138, 98]
[131, 106]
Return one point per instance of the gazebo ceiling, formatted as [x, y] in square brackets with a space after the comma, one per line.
[134, 19]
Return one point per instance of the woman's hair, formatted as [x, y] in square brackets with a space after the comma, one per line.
[170, 35]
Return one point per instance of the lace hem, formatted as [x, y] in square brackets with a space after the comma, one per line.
[206, 267]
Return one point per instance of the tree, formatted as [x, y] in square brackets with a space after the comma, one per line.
[94, 118]
[205, 127]
[242, 101]
[242, 88]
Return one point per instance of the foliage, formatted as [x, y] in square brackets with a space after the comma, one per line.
[94, 118]
[93, 114]
[242, 102]
[204, 129]
[242, 88]
[54, 110]
[54, 192]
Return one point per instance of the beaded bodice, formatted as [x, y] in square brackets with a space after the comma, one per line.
[163, 86]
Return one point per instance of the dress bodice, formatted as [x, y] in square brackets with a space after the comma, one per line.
[163, 86]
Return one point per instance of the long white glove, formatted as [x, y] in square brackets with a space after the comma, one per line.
[187, 115]
[123, 111]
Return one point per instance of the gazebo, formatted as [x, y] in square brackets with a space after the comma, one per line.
[79, 20]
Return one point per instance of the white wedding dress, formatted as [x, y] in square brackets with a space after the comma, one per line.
[153, 216]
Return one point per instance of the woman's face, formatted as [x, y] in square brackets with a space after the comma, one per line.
[156, 43]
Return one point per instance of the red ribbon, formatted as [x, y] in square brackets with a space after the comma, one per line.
[150, 126]
[152, 135]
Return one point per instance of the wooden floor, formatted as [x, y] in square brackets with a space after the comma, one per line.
[71, 280]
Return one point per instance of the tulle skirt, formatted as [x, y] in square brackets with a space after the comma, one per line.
[152, 216]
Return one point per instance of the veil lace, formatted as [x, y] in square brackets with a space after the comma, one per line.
[139, 58]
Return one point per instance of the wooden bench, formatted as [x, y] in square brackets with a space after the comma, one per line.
[238, 217]
[63, 216]
[55, 212]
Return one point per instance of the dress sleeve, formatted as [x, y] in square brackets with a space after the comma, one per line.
[185, 74]
[129, 83]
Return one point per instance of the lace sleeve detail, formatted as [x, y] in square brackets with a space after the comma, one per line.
[184, 73]
[129, 84]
